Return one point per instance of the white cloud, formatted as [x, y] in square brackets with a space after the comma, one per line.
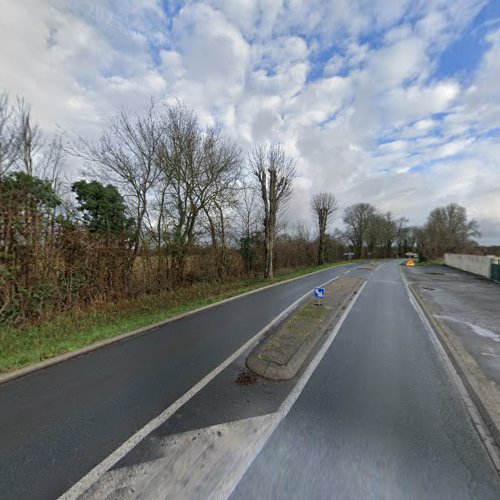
[351, 87]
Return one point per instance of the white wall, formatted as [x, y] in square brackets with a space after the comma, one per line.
[475, 264]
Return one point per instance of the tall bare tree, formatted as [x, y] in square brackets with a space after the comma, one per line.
[358, 219]
[448, 229]
[29, 137]
[201, 170]
[125, 155]
[219, 185]
[9, 146]
[274, 171]
[324, 206]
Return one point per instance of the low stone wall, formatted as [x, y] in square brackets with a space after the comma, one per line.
[475, 264]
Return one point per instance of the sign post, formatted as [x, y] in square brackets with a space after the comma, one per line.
[319, 293]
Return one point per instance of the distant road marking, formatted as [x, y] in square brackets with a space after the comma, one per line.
[347, 272]
[99, 470]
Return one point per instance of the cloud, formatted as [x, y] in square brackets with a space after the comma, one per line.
[354, 89]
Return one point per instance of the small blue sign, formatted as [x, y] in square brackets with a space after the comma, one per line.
[319, 293]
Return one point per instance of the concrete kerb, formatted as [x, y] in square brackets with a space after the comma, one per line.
[493, 448]
[28, 370]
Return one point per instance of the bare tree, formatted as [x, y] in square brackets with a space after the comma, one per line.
[200, 171]
[125, 154]
[29, 137]
[9, 150]
[448, 229]
[51, 160]
[358, 219]
[274, 171]
[324, 206]
[247, 212]
[218, 189]
[247, 218]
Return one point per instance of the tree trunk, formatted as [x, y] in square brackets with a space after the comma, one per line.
[269, 240]
[321, 250]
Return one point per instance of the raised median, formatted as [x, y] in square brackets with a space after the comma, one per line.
[281, 355]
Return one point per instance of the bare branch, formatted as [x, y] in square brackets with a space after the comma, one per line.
[274, 171]
[324, 206]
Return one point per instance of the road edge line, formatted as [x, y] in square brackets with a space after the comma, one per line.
[80, 487]
[479, 416]
[292, 397]
[143, 330]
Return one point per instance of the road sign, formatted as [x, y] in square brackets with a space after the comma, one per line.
[319, 293]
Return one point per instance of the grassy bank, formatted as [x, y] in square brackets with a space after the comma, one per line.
[29, 344]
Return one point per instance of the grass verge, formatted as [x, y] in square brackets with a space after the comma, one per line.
[26, 345]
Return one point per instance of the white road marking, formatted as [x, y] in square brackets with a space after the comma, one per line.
[285, 407]
[477, 420]
[347, 272]
[99, 470]
[193, 464]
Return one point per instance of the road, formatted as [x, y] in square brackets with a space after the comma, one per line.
[57, 424]
[380, 416]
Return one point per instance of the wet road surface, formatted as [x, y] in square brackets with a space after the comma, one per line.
[379, 418]
[58, 423]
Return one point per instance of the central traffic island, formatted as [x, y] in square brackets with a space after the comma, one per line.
[281, 355]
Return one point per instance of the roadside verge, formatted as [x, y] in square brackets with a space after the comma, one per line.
[60, 358]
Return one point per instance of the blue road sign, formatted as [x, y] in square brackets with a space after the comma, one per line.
[319, 293]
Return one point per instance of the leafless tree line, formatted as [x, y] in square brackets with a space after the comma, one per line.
[196, 211]
[371, 233]
[178, 203]
[181, 179]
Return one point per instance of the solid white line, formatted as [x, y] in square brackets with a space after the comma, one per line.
[477, 419]
[28, 370]
[99, 470]
[287, 405]
[295, 393]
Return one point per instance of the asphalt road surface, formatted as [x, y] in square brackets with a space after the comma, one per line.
[57, 424]
[380, 417]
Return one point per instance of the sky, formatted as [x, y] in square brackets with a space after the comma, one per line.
[392, 102]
